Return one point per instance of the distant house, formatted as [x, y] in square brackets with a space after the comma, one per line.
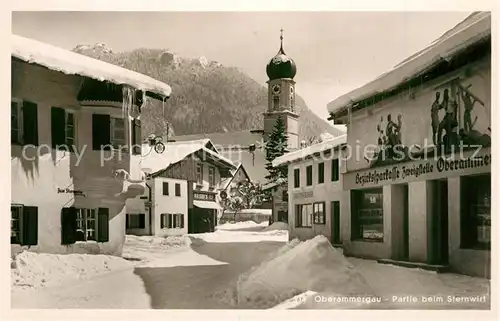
[181, 193]
[75, 148]
[314, 191]
[230, 184]
[279, 200]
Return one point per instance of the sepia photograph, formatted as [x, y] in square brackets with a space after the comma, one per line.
[232, 160]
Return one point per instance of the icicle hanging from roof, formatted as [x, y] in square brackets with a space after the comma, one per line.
[127, 101]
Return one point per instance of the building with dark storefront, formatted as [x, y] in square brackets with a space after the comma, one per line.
[418, 192]
[181, 189]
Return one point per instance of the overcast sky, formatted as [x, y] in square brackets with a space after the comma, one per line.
[334, 51]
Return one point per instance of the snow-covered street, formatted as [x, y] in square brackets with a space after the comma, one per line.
[240, 265]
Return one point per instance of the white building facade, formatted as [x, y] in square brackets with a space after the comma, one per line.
[73, 161]
[315, 190]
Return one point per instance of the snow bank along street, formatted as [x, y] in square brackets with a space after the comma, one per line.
[233, 268]
[75, 281]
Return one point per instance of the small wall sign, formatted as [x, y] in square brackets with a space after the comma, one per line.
[70, 191]
[204, 197]
[301, 195]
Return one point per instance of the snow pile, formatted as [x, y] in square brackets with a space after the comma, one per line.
[277, 226]
[313, 265]
[147, 248]
[34, 270]
[240, 225]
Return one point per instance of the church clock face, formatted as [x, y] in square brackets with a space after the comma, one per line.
[276, 89]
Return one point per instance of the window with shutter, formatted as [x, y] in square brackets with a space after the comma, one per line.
[15, 223]
[30, 225]
[163, 221]
[309, 175]
[199, 174]
[68, 225]
[16, 121]
[58, 119]
[335, 170]
[182, 220]
[136, 221]
[103, 225]
[70, 130]
[321, 173]
[211, 176]
[296, 178]
[142, 221]
[118, 135]
[303, 215]
[30, 123]
[101, 132]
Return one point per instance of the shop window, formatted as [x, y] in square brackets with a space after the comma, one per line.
[309, 175]
[476, 211]
[171, 221]
[303, 215]
[321, 173]
[136, 221]
[367, 215]
[319, 213]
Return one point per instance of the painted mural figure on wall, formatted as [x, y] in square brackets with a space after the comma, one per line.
[436, 106]
[390, 145]
[449, 124]
[469, 103]
[393, 134]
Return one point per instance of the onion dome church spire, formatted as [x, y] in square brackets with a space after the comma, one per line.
[281, 66]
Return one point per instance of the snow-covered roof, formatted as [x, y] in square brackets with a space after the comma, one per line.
[310, 150]
[471, 30]
[275, 183]
[69, 62]
[152, 162]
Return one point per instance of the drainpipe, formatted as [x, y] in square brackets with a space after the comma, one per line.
[150, 208]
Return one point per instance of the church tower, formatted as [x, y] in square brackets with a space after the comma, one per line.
[281, 96]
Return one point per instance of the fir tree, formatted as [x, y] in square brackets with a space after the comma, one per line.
[276, 146]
